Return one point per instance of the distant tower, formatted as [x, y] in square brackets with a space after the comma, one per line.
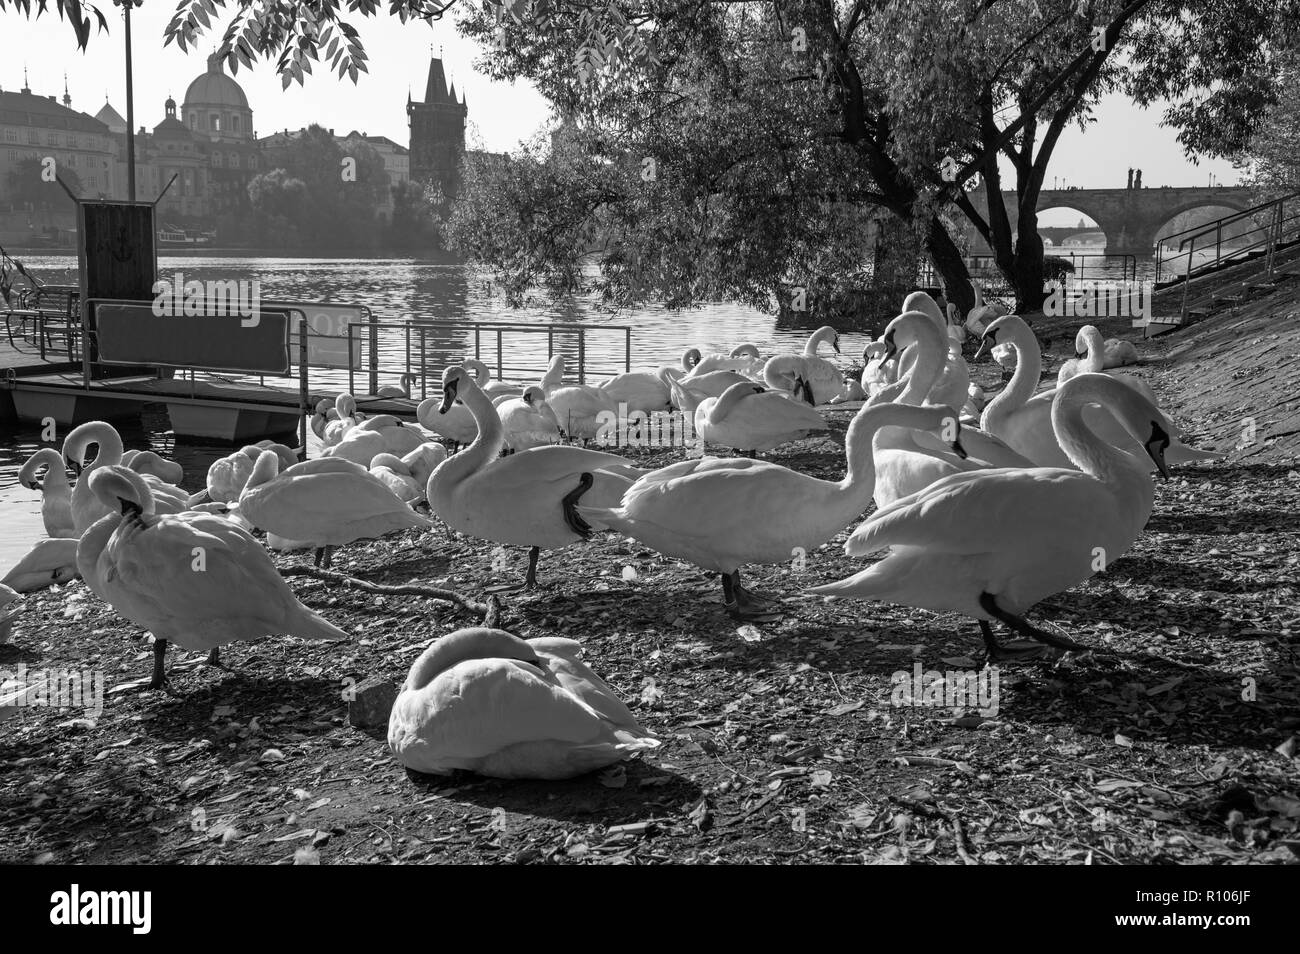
[437, 132]
[67, 97]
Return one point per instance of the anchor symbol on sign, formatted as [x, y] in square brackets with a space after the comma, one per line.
[121, 249]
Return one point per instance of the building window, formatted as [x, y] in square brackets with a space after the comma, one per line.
[234, 160]
[194, 121]
[216, 160]
[51, 139]
[216, 122]
[252, 162]
[32, 138]
[11, 135]
[72, 161]
[234, 124]
[90, 181]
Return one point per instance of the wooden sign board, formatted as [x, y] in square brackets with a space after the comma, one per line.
[118, 259]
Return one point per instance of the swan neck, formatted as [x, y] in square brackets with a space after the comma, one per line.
[1024, 380]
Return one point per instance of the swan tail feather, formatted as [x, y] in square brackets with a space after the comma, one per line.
[1180, 453]
[309, 625]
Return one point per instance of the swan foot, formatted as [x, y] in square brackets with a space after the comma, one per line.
[745, 604]
[1015, 651]
[571, 516]
[324, 557]
[1022, 626]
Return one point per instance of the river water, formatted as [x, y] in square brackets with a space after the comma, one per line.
[401, 289]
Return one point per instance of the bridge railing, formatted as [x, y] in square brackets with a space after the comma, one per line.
[1272, 224]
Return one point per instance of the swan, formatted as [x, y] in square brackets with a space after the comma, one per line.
[578, 407]
[56, 495]
[713, 383]
[394, 474]
[8, 613]
[852, 391]
[1090, 351]
[992, 543]
[147, 568]
[327, 502]
[528, 420]
[322, 415]
[979, 317]
[825, 380]
[1117, 352]
[723, 512]
[382, 434]
[524, 499]
[391, 392]
[48, 563]
[483, 378]
[486, 701]
[953, 381]
[743, 359]
[880, 367]
[86, 507]
[455, 424]
[639, 390]
[147, 462]
[347, 417]
[228, 475]
[748, 417]
[1023, 419]
[421, 461]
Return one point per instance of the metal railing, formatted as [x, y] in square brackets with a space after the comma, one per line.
[1275, 223]
[429, 345]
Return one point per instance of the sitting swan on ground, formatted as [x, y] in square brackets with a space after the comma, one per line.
[486, 701]
[48, 563]
[825, 380]
[147, 568]
[56, 494]
[643, 391]
[86, 507]
[992, 543]
[723, 513]
[1023, 419]
[327, 502]
[743, 359]
[383, 434]
[1090, 358]
[524, 499]
[748, 417]
[147, 462]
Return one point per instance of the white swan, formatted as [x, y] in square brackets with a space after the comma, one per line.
[327, 502]
[48, 563]
[713, 383]
[643, 391]
[56, 495]
[1090, 351]
[953, 381]
[486, 701]
[743, 359]
[8, 613]
[723, 513]
[455, 423]
[86, 507]
[394, 474]
[347, 417]
[825, 380]
[390, 392]
[483, 378]
[422, 461]
[982, 314]
[524, 499]
[578, 407]
[1023, 419]
[748, 417]
[147, 462]
[383, 434]
[192, 579]
[528, 420]
[991, 543]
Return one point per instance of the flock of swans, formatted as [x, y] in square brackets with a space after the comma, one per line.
[980, 509]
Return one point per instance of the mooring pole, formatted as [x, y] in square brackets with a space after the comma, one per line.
[130, 107]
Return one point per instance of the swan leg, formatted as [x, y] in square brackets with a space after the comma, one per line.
[571, 516]
[1022, 626]
[742, 603]
[214, 657]
[530, 579]
[996, 652]
[320, 555]
[159, 680]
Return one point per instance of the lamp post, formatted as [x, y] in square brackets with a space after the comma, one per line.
[126, 6]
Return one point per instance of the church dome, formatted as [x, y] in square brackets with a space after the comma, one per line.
[215, 88]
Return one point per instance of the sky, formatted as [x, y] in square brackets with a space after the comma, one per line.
[501, 114]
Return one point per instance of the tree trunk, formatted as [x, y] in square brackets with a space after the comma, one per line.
[950, 265]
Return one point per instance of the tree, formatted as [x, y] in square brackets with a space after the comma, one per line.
[28, 182]
[412, 224]
[1270, 158]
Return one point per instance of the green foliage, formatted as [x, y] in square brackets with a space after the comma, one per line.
[26, 183]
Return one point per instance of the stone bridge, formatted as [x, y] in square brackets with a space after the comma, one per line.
[1132, 219]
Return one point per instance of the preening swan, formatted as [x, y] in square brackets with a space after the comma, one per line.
[528, 420]
[49, 562]
[1090, 351]
[743, 359]
[992, 543]
[825, 380]
[393, 473]
[56, 495]
[749, 417]
[640, 390]
[486, 701]
[193, 579]
[147, 462]
[483, 378]
[383, 434]
[524, 499]
[326, 502]
[86, 507]
[722, 513]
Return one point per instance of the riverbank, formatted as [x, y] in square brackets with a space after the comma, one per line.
[780, 740]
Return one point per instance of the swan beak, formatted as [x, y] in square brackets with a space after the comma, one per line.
[836, 344]
[32, 485]
[801, 386]
[1156, 449]
[958, 449]
[986, 341]
[448, 396]
[891, 348]
[1081, 355]
[130, 507]
[76, 467]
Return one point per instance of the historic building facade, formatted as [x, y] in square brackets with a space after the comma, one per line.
[437, 132]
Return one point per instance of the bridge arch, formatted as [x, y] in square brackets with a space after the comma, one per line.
[1227, 207]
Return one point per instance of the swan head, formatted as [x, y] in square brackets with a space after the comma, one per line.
[80, 439]
[1010, 327]
[422, 461]
[346, 405]
[45, 457]
[266, 468]
[122, 489]
[1086, 340]
[456, 380]
[825, 334]
[733, 396]
[392, 462]
[480, 371]
[745, 351]
[690, 358]
[533, 396]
